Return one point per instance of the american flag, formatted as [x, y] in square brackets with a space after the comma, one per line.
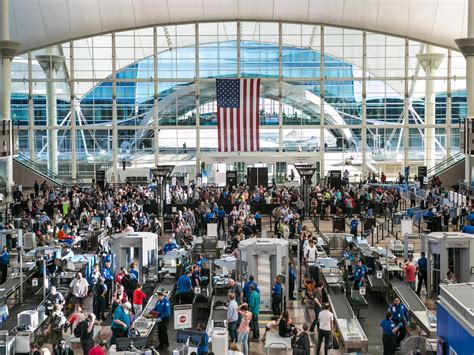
[237, 115]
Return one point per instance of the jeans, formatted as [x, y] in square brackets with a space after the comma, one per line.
[137, 308]
[254, 326]
[316, 315]
[243, 339]
[232, 328]
[326, 335]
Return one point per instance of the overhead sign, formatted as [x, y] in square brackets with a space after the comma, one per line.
[183, 316]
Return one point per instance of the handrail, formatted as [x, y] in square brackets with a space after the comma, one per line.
[57, 178]
[446, 164]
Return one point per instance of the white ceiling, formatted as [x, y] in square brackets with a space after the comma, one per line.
[39, 23]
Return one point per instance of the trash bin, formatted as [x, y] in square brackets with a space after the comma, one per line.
[338, 224]
[368, 223]
[397, 218]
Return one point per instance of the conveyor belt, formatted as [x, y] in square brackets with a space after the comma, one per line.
[376, 283]
[408, 296]
[341, 307]
[8, 287]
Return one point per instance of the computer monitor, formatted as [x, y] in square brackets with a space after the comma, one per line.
[195, 338]
[124, 344]
[96, 221]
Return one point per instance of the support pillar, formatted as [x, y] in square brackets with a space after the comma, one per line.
[50, 63]
[430, 63]
[466, 46]
[8, 50]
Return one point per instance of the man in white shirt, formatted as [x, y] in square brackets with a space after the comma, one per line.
[232, 316]
[79, 289]
[326, 321]
[310, 252]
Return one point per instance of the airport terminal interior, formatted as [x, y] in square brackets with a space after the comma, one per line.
[237, 177]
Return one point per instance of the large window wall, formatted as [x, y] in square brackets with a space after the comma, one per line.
[352, 98]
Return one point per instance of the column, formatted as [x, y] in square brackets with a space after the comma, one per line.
[430, 62]
[8, 50]
[198, 101]
[156, 119]
[72, 117]
[114, 115]
[466, 46]
[363, 144]
[50, 63]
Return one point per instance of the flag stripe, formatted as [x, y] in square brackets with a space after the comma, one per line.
[238, 115]
[251, 114]
[257, 113]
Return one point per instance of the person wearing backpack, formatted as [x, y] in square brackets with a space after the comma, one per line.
[302, 344]
[85, 332]
[56, 325]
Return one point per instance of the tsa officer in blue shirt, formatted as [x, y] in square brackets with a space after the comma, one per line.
[277, 292]
[400, 316]
[389, 330]
[169, 246]
[185, 288]
[203, 348]
[422, 265]
[359, 274]
[163, 307]
[292, 280]
[108, 276]
[4, 262]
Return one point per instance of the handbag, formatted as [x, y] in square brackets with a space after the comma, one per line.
[334, 342]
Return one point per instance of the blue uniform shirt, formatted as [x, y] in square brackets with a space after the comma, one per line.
[399, 312]
[347, 254]
[388, 326]
[277, 289]
[209, 217]
[468, 229]
[246, 289]
[184, 284]
[107, 274]
[134, 273]
[422, 263]
[354, 224]
[360, 272]
[202, 261]
[221, 214]
[292, 273]
[163, 307]
[169, 247]
[204, 347]
[5, 258]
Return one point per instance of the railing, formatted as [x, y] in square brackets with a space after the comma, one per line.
[44, 171]
[445, 165]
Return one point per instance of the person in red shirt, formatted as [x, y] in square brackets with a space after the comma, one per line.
[119, 276]
[138, 297]
[99, 349]
[410, 277]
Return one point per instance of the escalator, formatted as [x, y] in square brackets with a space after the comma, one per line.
[451, 169]
[27, 171]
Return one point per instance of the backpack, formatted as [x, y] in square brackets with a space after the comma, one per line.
[81, 329]
[58, 322]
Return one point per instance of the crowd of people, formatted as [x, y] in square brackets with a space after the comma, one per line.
[57, 213]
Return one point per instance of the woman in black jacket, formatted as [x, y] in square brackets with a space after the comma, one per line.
[285, 328]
